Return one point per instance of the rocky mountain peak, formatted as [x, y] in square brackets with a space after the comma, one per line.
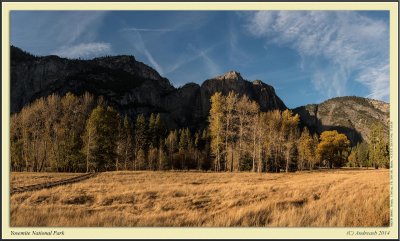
[262, 93]
[258, 82]
[230, 75]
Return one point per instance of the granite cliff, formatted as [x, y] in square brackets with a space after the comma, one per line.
[129, 85]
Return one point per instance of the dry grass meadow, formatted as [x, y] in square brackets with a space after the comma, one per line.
[19, 179]
[335, 198]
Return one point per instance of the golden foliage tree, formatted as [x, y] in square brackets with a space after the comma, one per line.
[332, 147]
[216, 128]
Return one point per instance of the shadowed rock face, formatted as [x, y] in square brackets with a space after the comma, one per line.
[350, 115]
[129, 85]
[120, 79]
[133, 87]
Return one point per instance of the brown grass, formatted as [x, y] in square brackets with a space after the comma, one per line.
[19, 179]
[308, 199]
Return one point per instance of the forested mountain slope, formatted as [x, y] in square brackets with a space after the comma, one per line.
[351, 115]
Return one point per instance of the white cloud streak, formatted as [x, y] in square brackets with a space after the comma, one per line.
[210, 64]
[42, 31]
[236, 54]
[184, 60]
[148, 29]
[337, 46]
[377, 81]
[211, 67]
[82, 23]
[84, 50]
[136, 40]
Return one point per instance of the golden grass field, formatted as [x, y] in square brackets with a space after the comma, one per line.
[19, 179]
[304, 199]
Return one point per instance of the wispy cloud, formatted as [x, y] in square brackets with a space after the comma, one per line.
[377, 81]
[181, 21]
[335, 45]
[77, 23]
[211, 67]
[84, 50]
[145, 42]
[236, 54]
[153, 62]
[45, 31]
[148, 29]
[196, 64]
[195, 55]
[139, 45]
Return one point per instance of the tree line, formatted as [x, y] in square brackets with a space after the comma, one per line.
[83, 134]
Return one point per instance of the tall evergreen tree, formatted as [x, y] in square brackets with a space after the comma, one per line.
[379, 147]
[152, 131]
[140, 139]
[172, 144]
[101, 139]
[363, 154]
[127, 142]
[185, 145]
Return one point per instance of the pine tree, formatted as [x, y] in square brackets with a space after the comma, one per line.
[140, 159]
[127, 144]
[120, 143]
[379, 147]
[185, 145]
[160, 130]
[16, 144]
[289, 131]
[206, 155]
[152, 158]
[140, 138]
[353, 158]
[172, 143]
[196, 146]
[162, 158]
[152, 131]
[101, 139]
[362, 154]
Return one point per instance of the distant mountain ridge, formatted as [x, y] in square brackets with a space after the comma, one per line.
[129, 85]
[351, 115]
[133, 87]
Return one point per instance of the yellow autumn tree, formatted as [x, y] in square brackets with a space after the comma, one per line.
[304, 148]
[216, 128]
[332, 147]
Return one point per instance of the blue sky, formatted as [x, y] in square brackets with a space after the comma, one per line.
[307, 56]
